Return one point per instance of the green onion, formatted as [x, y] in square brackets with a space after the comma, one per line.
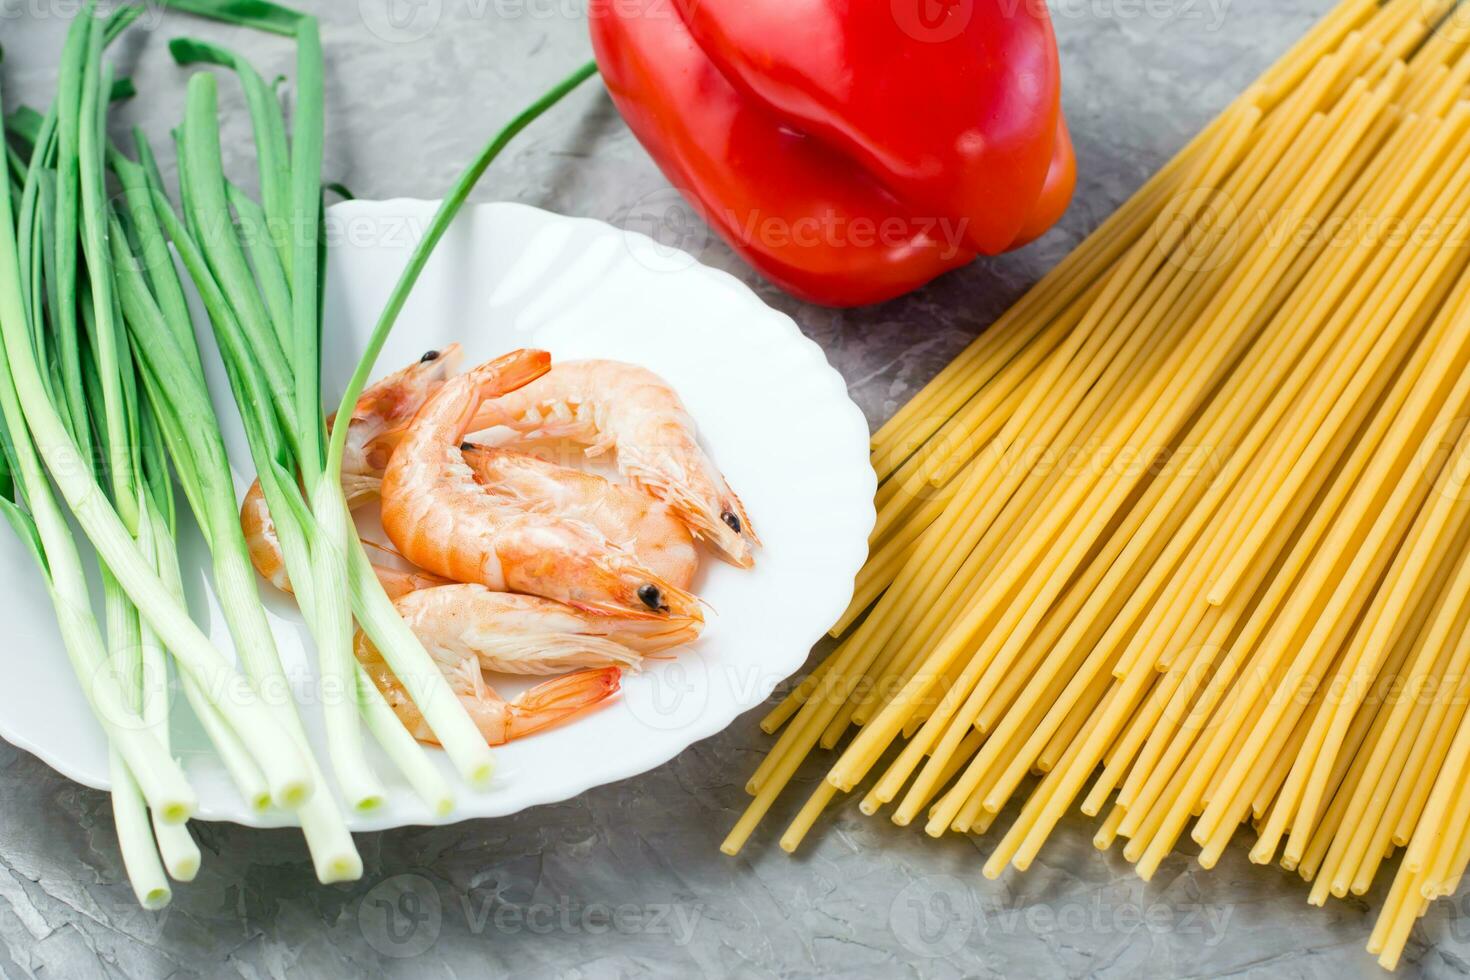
[91, 141]
[292, 382]
[135, 836]
[165, 346]
[207, 206]
[318, 539]
[176, 847]
[133, 748]
[273, 157]
[258, 14]
[68, 189]
[103, 388]
[32, 510]
[265, 261]
[278, 757]
[127, 369]
[336, 664]
[315, 531]
[140, 856]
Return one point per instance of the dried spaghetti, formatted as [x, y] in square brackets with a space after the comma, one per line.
[1182, 538]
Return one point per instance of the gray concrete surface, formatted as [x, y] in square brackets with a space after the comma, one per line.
[627, 880]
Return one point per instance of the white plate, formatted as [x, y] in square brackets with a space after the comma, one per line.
[772, 412]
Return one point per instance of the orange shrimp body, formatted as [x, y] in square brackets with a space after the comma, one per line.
[261, 540]
[635, 521]
[441, 518]
[523, 634]
[609, 405]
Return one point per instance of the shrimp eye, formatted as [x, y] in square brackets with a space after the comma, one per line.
[429, 356]
[466, 447]
[732, 519]
[651, 596]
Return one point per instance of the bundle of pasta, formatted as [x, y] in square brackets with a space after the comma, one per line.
[1189, 521]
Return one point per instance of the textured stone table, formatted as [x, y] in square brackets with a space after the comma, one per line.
[628, 879]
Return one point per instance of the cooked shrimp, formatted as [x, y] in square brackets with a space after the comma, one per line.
[261, 539]
[609, 405]
[382, 413]
[522, 634]
[383, 410]
[499, 720]
[440, 518]
[645, 527]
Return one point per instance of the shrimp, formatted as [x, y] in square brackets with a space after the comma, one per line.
[645, 527]
[611, 405]
[441, 519]
[498, 720]
[384, 410]
[522, 634]
[264, 546]
[468, 629]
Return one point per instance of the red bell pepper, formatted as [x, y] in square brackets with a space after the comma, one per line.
[850, 150]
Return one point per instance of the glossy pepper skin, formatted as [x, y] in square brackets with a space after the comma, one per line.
[850, 150]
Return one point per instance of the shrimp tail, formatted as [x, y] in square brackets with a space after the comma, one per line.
[559, 698]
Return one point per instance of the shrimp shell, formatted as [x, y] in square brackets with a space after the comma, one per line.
[612, 406]
[633, 520]
[442, 519]
[521, 634]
